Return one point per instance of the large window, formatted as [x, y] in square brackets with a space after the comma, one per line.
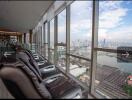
[61, 46]
[34, 44]
[111, 75]
[80, 68]
[115, 27]
[81, 28]
[62, 27]
[113, 72]
[80, 39]
[37, 40]
[52, 40]
[103, 66]
[61, 56]
[52, 34]
[45, 39]
[40, 39]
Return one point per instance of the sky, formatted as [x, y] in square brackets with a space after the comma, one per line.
[114, 21]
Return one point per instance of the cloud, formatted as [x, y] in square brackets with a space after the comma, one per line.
[81, 18]
[102, 34]
[111, 21]
[112, 18]
[122, 34]
[109, 5]
[81, 25]
[81, 10]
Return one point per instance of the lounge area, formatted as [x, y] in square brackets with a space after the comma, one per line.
[43, 80]
[66, 49]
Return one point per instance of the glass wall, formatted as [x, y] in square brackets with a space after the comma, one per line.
[61, 46]
[81, 28]
[52, 40]
[114, 32]
[46, 40]
[37, 41]
[40, 39]
[102, 62]
[111, 75]
[33, 42]
[43, 40]
[80, 39]
[62, 27]
[114, 24]
[80, 68]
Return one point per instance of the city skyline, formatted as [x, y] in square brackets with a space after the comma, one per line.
[114, 21]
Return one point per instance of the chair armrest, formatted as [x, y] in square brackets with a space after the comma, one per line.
[52, 78]
[47, 69]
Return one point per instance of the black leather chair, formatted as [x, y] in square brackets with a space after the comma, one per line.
[47, 69]
[24, 80]
[42, 62]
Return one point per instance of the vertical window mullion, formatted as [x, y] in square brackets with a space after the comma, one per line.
[67, 38]
[44, 40]
[40, 39]
[48, 36]
[95, 21]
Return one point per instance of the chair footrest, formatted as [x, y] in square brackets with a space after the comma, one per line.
[63, 87]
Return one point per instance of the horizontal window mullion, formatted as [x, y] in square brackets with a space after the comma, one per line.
[80, 57]
[106, 50]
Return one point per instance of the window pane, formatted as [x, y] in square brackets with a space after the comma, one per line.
[80, 69]
[43, 40]
[40, 39]
[52, 40]
[46, 33]
[62, 39]
[46, 40]
[52, 34]
[111, 76]
[115, 27]
[46, 50]
[62, 27]
[35, 41]
[62, 57]
[81, 27]
[51, 55]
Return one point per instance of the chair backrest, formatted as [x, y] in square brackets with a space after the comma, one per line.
[24, 77]
[22, 82]
[30, 63]
[29, 53]
[46, 62]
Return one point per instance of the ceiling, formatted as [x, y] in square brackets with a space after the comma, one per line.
[22, 15]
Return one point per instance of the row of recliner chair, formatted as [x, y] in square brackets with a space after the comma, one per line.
[29, 75]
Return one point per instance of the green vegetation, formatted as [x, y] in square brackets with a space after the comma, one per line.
[128, 89]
